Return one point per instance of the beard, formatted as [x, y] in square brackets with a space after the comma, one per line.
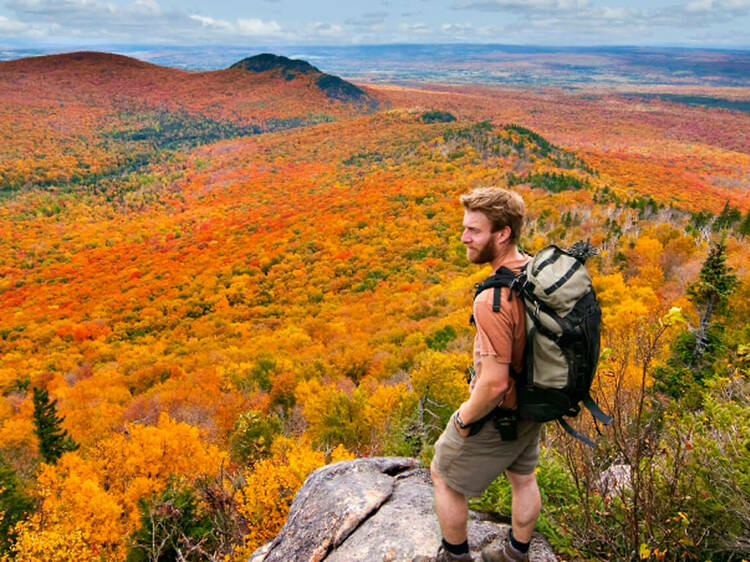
[485, 254]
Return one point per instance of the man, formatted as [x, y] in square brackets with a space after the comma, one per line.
[464, 465]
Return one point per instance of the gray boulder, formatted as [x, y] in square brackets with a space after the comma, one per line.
[373, 509]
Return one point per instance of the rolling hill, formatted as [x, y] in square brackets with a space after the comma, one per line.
[78, 116]
[227, 279]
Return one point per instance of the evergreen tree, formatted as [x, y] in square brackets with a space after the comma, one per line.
[729, 216]
[710, 294]
[14, 504]
[694, 352]
[744, 226]
[53, 439]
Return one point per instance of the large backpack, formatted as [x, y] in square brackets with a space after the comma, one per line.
[562, 334]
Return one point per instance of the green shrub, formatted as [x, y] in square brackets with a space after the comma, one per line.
[174, 526]
[253, 435]
[14, 504]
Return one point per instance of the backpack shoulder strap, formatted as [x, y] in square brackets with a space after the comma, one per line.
[503, 277]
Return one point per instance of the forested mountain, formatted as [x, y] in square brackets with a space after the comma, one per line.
[78, 117]
[224, 280]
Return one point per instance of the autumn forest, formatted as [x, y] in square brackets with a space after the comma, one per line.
[213, 283]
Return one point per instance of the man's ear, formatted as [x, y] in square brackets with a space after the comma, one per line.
[503, 235]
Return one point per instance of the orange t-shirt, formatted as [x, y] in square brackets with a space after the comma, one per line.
[501, 336]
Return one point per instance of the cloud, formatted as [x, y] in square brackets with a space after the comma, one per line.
[585, 22]
[210, 22]
[102, 20]
[250, 27]
[734, 7]
[724, 37]
[524, 21]
[12, 27]
[322, 29]
[548, 21]
[370, 19]
[522, 6]
[256, 26]
[414, 28]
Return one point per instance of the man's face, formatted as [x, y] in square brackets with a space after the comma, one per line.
[480, 241]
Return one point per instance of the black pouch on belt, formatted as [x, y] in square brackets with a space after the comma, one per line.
[476, 426]
[506, 422]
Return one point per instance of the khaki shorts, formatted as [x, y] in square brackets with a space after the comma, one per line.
[469, 464]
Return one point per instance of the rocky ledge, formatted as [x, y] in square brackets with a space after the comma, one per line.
[373, 509]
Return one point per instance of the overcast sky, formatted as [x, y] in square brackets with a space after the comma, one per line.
[699, 23]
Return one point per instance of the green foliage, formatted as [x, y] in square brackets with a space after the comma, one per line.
[437, 116]
[342, 423]
[668, 480]
[606, 195]
[53, 439]
[14, 504]
[338, 89]
[253, 435]
[559, 496]
[694, 352]
[715, 284]
[744, 227]
[700, 219]
[544, 147]
[719, 468]
[174, 526]
[549, 181]
[678, 374]
[264, 366]
[170, 130]
[645, 204]
[728, 217]
[440, 338]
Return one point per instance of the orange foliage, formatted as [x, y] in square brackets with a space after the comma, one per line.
[301, 272]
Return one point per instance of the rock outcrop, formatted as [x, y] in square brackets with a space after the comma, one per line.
[372, 509]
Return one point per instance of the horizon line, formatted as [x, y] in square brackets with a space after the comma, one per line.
[87, 46]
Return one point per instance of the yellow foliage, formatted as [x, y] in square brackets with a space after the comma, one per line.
[140, 461]
[93, 501]
[382, 404]
[36, 542]
[17, 432]
[271, 485]
[445, 375]
[74, 499]
[334, 412]
[8, 378]
[94, 406]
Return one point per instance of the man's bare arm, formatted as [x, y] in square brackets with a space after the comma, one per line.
[488, 391]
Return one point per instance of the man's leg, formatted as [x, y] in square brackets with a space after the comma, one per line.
[452, 510]
[525, 505]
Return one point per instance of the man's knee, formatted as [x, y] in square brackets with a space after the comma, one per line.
[522, 482]
[526, 491]
[437, 482]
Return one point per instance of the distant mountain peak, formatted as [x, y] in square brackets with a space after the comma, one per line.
[332, 86]
[267, 61]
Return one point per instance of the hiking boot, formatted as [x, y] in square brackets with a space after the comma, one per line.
[444, 556]
[502, 551]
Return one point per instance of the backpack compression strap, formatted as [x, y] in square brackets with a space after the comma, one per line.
[595, 410]
[576, 434]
